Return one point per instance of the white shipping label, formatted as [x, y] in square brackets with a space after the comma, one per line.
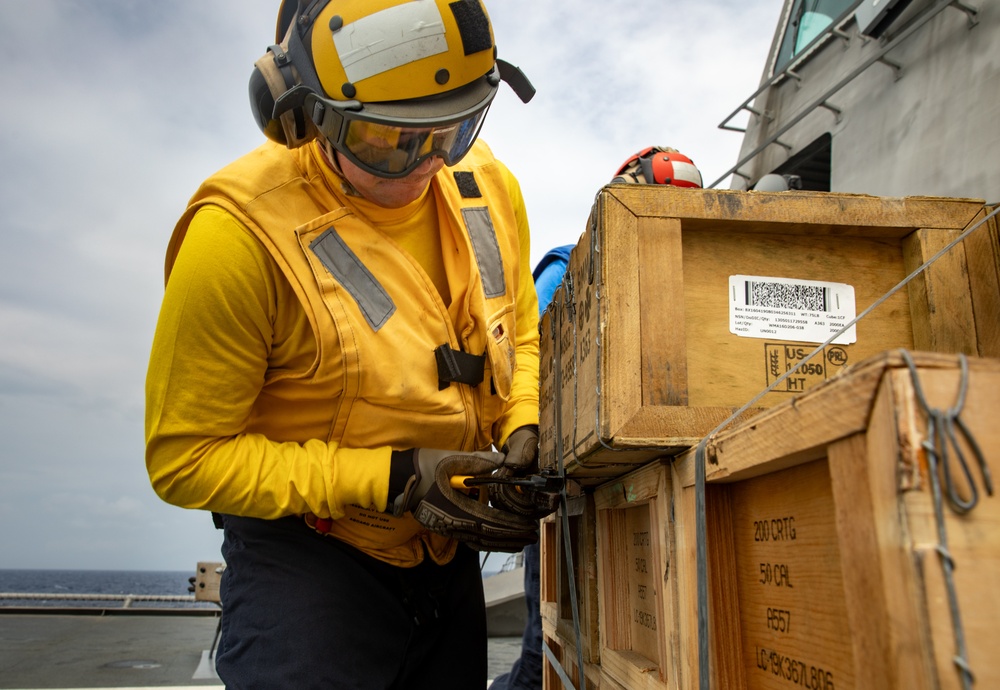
[808, 311]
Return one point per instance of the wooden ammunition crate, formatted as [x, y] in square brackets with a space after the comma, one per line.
[824, 554]
[637, 583]
[982, 248]
[638, 359]
[556, 600]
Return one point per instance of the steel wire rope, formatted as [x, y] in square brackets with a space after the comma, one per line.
[556, 307]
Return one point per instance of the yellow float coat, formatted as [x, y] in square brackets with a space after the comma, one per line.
[295, 346]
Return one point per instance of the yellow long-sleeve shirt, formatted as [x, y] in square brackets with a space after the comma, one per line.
[232, 325]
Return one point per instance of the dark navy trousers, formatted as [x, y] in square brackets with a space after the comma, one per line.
[304, 611]
[526, 672]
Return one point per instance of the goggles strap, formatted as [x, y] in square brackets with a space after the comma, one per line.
[300, 56]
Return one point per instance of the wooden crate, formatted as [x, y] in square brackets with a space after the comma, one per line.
[638, 359]
[823, 538]
[637, 583]
[982, 247]
[556, 602]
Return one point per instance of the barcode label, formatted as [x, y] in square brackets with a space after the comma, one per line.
[808, 311]
[787, 295]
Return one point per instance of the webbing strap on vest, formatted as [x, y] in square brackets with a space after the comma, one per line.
[455, 366]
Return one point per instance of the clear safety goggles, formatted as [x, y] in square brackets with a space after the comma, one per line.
[391, 151]
[392, 147]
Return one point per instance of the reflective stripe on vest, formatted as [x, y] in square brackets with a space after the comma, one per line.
[344, 265]
[479, 225]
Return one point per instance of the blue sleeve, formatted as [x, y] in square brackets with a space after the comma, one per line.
[548, 274]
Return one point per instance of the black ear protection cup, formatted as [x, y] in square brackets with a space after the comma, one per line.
[282, 69]
[262, 102]
[271, 78]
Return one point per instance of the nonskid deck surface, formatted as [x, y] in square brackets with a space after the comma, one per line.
[137, 650]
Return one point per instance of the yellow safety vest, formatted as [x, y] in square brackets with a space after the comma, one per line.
[375, 313]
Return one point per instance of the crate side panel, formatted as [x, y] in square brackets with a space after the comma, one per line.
[792, 611]
[548, 403]
[940, 296]
[635, 562]
[617, 308]
[982, 249]
[661, 277]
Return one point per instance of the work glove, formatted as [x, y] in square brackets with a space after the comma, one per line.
[420, 482]
[521, 450]
[521, 461]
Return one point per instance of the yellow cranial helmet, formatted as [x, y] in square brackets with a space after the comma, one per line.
[354, 70]
[387, 50]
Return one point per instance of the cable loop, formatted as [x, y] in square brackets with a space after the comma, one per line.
[941, 435]
[940, 431]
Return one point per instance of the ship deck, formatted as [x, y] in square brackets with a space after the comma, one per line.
[128, 648]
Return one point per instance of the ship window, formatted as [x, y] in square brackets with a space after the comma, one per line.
[811, 165]
[808, 20]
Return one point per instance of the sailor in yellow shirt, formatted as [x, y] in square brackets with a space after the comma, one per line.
[349, 321]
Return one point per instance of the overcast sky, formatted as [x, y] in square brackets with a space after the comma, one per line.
[115, 111]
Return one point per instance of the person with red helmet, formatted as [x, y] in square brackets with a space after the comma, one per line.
[348, 324]
[659, 165]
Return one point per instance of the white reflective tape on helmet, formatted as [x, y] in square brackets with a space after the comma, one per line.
[685, 172]
[376, 43]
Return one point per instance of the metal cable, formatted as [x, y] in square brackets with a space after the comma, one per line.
[941, 434]
[564, 500]
[563, 496]
[126, 599]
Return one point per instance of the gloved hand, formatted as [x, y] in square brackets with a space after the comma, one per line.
[420, 482]
[521, 450]
[521, 460]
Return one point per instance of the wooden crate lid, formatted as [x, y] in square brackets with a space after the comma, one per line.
[832, 410]
[805, 209]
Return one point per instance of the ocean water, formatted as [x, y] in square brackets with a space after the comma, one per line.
[120, 582]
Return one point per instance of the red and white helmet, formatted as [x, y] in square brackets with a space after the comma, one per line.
[659, 165]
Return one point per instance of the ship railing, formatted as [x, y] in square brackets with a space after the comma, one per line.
[126, 600]
[836, 30]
